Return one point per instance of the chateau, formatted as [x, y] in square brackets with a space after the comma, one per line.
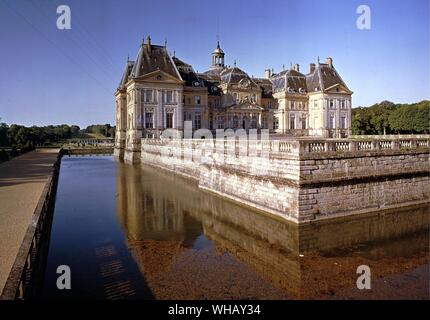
[159, 91]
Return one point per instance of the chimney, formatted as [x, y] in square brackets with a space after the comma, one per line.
[148, 40]
[267, 73]
[311, 67]
[296, 67]
[330, 62]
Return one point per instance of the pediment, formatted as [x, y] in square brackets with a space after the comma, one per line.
[160, 76]
[338, 88]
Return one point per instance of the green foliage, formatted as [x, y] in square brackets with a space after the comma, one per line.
[26, 138]
[29, 137]
[105, 130]
[388, 118]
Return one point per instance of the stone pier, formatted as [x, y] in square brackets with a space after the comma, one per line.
[303, 179]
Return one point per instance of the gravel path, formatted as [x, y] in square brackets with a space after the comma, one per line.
[22, 180]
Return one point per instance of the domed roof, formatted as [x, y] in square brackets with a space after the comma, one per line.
[218, 49]
[234, 75]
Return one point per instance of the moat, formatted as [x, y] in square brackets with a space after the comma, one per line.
[133, 232]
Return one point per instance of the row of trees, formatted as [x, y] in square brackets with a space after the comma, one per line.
[105, 130]
[21, 136]
[390, 118]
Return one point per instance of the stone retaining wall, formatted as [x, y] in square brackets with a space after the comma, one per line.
[305, 179]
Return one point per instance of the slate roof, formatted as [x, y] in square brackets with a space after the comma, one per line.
[182, 65]
[152, 58]
[187, 73]
[266, 87]
[235, 75]
[289, 79]
[214, 72]
[126, 74]
[323, 77]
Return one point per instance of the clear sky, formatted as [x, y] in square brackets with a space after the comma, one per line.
[51, 76]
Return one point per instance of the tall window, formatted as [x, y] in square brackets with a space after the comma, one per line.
[149, 123]
[342, 104]
[197, 100]
[331, 103]
[220, 122]
[169, 96]
[254, 122]
[169, 120]
[343, 122]
[264, 123]
[292, 105]
[292, 122]
[149, 97]
[303, 121]
[331, 122]
[197, 120]
[275, 123]
[235, 122]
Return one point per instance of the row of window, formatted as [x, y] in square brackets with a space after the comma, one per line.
[197, 119]
[197, 100]
[214, 103]
[293, 122]
[150, 96]
[149, 120]
[341, 103]
[297, 105]
[332, 122]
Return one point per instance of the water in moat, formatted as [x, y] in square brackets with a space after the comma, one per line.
[133, 232]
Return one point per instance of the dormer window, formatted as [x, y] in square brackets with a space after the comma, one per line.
[197, 100]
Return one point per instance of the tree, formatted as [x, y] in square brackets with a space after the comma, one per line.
[387, 117]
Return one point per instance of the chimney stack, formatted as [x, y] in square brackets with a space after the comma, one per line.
[267, 73]
[330, 62]
[296, 67]
[311, 67]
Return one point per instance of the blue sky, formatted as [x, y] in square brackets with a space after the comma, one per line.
[51, 76]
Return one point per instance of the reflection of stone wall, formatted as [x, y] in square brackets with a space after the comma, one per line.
[162, 213]
[304, 180]
[172, 198]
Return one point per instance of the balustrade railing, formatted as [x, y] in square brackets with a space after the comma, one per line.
[298, 146]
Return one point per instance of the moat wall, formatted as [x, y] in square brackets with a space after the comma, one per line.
[303, 180]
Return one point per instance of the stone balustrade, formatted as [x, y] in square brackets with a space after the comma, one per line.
[303, 147]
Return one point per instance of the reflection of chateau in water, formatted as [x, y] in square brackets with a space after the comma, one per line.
[164, 217]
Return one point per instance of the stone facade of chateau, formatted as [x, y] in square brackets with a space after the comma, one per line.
[159, 91]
